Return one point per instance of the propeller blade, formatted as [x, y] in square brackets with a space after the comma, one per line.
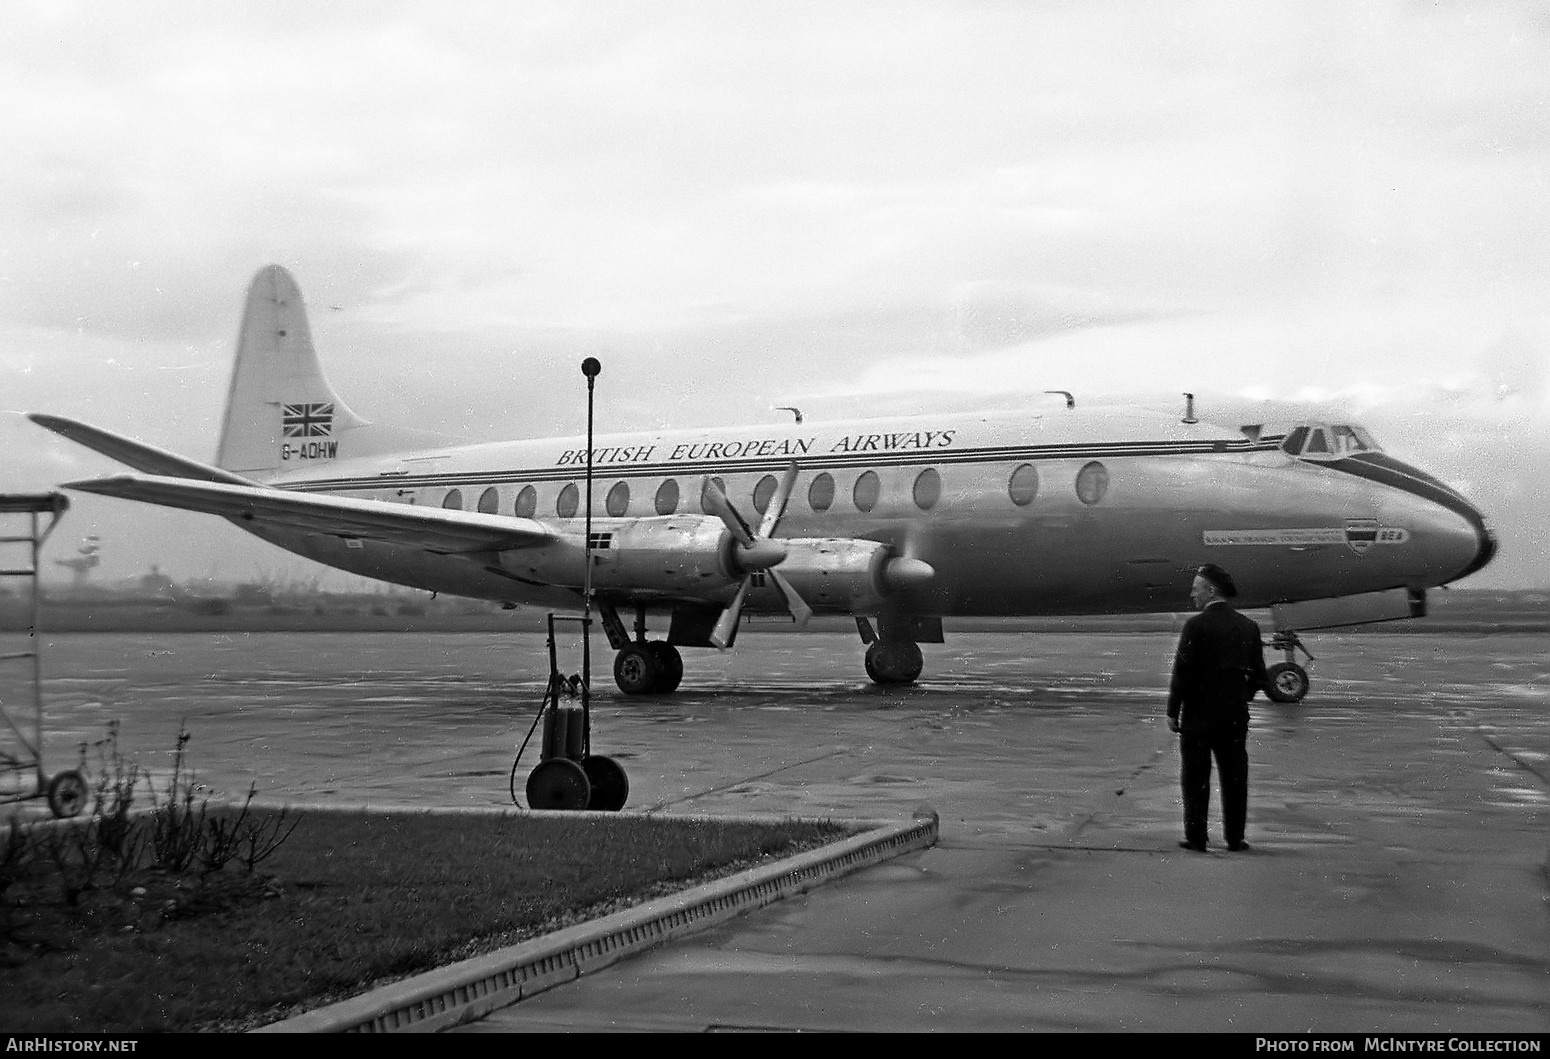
[726, 625]
[777, 505]
[722, 508]
[799, 609]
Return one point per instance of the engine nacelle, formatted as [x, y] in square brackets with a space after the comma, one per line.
[671, 556]
[837, 573]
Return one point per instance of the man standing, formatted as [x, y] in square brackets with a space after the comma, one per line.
[1218, 668]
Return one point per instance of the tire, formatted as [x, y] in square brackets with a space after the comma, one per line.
[610, 786]
[1288, 682]
[894, 661]
[669, 663]
[67, 795]
[558, 783]
[636, 670]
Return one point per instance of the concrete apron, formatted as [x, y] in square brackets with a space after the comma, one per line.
[471, 989]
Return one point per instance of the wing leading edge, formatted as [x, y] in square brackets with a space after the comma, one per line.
[432, 529]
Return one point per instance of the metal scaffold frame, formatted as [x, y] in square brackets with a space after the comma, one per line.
[21, 738]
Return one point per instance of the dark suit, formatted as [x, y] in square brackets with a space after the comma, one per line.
[1218, 668]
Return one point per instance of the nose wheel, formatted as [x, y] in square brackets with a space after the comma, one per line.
[1288, 681]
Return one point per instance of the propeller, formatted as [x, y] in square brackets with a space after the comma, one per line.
[754, 552]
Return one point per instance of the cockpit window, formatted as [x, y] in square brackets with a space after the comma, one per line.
[1326, 441]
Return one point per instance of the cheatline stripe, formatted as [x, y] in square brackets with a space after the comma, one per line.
[1377, 467]
[774, 464]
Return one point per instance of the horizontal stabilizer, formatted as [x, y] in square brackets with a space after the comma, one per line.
[141, 457]
[431, 529]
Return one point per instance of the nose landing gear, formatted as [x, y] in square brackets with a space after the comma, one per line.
[1288, 680]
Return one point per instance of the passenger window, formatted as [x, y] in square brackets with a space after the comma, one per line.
[569, 497]
[763, 492]
[704, 494]
[489, 500]
[1092, 483]
[928, 489]
[453, 499]
[618, 501]
[667, 497]
[820, 495]
[866, 492]
[1024, 485]
[527, 503]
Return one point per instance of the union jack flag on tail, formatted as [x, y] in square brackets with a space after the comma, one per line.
[307, 420]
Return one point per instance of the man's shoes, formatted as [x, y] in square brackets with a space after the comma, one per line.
[1198, 847]
[1239, 847]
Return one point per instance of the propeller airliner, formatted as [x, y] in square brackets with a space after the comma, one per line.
[898, 523]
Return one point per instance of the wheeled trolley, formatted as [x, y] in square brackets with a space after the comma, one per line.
[22, 775]
[568, 775]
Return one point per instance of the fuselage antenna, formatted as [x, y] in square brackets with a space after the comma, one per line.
[1189, 408]
[1070, 401]
[787, 408]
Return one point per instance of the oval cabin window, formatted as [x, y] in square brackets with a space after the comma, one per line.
[705, 494]
[763, 492]
[667, 497]
[1024, 485]
[866, 492]
[619, 499]
[820, 495]
[928, 489]
[1092, 482]
[489, 500]
[569, 497]
[453, 499]
[527, 503]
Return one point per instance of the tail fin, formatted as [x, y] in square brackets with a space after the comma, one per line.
[281, 413]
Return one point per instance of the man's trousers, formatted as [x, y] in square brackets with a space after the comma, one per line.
[1230, 748]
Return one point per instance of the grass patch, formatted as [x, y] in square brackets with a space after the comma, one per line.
[349, 900]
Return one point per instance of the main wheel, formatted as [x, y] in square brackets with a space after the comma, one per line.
[610, 786]
[636, 669]
[1288, 682]
[670, 664]
[894, 661]
[558, 783]
[67, 795]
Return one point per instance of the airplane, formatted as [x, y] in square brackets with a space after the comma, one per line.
[898, 523]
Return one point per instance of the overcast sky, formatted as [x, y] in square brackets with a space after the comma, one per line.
[846, 207]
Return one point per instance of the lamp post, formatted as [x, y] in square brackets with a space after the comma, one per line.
[591, 368]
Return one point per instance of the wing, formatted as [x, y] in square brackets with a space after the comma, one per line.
[433, 529]
[136, 454]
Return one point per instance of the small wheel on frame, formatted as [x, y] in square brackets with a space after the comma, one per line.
[67, 795]
[558, 783]
[610, 786]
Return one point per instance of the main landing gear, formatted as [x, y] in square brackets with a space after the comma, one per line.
[648, 667]
[893, 661]
[1288, 680]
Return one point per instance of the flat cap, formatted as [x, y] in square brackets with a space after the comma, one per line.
[1220, 578]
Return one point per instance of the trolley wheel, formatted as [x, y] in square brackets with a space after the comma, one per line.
[1288, 682]
[610, 786]
[67, 794]
[558, 783]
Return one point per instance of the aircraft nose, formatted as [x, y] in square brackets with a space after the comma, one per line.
[1485, 550]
